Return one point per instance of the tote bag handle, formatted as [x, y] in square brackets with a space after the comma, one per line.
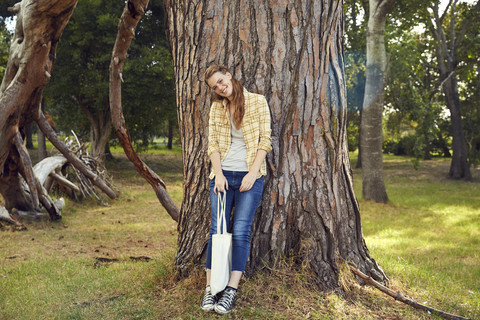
[221, 220]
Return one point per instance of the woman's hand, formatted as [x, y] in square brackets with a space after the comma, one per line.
[221, 183]
[248, 181]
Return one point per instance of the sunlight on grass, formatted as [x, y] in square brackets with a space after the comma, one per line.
[428, 235]
[426, 239]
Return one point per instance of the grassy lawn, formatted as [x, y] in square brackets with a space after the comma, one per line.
[91, 265]
[427, 237]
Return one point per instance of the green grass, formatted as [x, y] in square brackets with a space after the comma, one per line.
[426, 239]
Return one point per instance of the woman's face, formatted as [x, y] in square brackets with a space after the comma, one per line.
[221, 83]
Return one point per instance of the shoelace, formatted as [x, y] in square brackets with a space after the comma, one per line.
[228, 298]
[208, 298]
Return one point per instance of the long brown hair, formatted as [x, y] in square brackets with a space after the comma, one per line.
[237, 93]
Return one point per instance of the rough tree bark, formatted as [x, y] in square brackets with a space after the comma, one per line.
[371, 139]
[39, 26]
[292, 53]
[447, 62]
[38, 29]
[133, 11]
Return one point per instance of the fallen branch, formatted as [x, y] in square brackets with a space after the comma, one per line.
[64, 182]
[398, 296]
[73, 159]
[43, 169]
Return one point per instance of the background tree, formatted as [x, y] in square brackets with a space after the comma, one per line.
[468, 75]
[292, 53]
[355, 65]
[78, 93]
[149, 88]
[80, 81]
[414, 114]
[131, 15]
[449, 35]
[4, 44]
[371, 139]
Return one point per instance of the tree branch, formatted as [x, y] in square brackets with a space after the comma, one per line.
[384, 7]
[445, 11]
[398, 296]
[74, 160]
[131, 15]
[47, 202]
[452, 30]
[28, 170]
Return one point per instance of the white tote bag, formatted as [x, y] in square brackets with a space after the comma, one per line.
[221, 250]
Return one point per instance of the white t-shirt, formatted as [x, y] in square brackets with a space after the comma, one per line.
[236, 155]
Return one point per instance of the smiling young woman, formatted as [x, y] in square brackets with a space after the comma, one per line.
[238, 142]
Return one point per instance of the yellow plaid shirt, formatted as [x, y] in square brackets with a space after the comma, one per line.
[255, 127]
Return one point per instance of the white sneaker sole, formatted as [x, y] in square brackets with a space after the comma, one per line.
[221, 311]
[208, 308]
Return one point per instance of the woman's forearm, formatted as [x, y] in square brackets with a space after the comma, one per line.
[216, 163]
[257, 162]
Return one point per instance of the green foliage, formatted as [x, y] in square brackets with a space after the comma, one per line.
[5, 34]
[355, 66]
[79, 87]
[469, 73]
[5, 38]
[414, 101]
[148, 74]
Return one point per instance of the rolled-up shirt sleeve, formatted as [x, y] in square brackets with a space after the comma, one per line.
[212, 133]
[265, 140]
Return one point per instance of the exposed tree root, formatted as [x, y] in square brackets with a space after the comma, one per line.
[398, 296]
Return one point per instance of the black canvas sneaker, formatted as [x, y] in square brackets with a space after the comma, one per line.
[227, 301]
[209, 300]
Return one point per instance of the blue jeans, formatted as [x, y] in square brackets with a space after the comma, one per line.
[245, 204]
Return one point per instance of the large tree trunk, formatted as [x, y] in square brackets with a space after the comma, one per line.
[371, 139]
[293, 54]
[32, 53]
